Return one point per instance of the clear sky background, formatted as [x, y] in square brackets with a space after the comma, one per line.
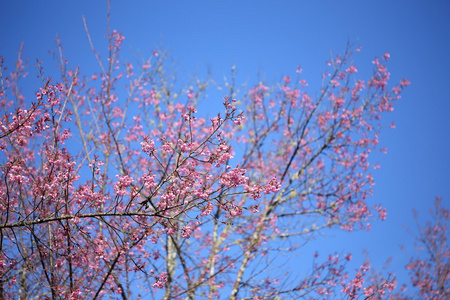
[271, 38]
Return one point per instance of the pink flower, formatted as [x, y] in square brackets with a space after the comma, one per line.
[405, 82]
[148, 146]
[161, 282]
[149, 180]
[208, 209]
[273, 186]
[254, 208]
[234, 210]
[124, 182]
[234, 178]
[186, 231]
[351, 69]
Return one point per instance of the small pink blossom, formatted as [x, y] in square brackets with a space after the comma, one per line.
[254, 208]
[207, 210]
[234, 210]
[146, 66]
[190, 94]
[149, 180]
[351, 69]
[186, 231]
[148, 146]
[161, 282]
[124, 182]
[405, 82]
[234, 178]
[273, 186]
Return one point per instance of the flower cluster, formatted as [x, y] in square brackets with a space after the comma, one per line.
[122, 184]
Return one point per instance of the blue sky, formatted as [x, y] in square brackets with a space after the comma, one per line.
[271, 38]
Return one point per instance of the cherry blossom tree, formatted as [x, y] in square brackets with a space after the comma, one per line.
[430, 269]
[114, 186]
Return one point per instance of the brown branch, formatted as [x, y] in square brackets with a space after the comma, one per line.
[32, 110]
[80, 216]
